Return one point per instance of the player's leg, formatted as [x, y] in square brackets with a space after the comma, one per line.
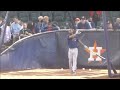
[75, 55]
[70, 55]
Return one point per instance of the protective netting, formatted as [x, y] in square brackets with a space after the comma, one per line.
[49, 50]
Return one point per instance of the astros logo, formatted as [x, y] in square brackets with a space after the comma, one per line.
[93, 51]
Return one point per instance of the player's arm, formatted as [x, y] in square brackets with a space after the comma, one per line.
[72, 36]
[75, 34]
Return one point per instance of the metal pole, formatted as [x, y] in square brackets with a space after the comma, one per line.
[106, 43]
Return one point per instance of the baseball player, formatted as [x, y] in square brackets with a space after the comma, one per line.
[73, 50]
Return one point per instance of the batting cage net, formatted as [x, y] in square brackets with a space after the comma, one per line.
[49, 49]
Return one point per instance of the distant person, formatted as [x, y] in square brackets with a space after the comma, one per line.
[24, 32]
[49, 27]
[21, 24]
[77, 20]
[87, 20]
[15, 29]
[83, 24]
[117, 24]
[91, 23]
[7, 35]
[31, 26]
[109, 25]
[96, 18]
[46, 24]
[52, 26]
[39, 25]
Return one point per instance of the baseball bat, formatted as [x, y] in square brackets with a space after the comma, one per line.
[86, 47]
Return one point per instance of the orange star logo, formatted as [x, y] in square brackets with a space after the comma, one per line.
[95, 50]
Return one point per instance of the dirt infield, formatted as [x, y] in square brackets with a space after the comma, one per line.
[56, 74]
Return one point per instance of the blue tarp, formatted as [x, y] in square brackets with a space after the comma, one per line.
[49, 50]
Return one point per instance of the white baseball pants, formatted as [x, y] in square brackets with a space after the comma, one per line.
[72, 56]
